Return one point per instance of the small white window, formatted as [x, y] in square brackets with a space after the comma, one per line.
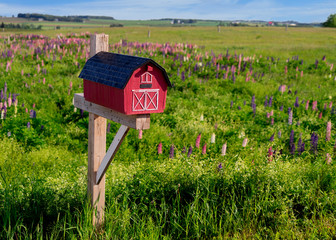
[146, 78]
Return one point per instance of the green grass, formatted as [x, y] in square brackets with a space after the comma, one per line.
[151, 196]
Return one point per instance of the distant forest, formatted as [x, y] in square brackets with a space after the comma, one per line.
[46, 17]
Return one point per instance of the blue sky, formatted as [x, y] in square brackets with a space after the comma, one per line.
[276, 10]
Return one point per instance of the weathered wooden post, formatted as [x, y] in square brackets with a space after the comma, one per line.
[96, 144]
[124, 89]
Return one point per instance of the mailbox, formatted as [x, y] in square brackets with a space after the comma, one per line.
[127, 84]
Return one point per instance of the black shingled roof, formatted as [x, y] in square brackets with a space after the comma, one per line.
[115, 70]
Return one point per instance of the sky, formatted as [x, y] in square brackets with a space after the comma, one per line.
[305, 11]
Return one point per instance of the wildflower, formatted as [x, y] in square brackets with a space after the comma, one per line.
[159, 148]
[231, 104]
[320, 115]
[204, 148]
[198, 141]
[266, 101]
[314, 142]
[28, 125]
[213, 138]
[140, 134]
[270, 154]
[296, 104]
[307, 104]
[290, 117]
[271, 138]
[270, 101]
[224, 149]
[171, 152]
[190, 151]
[220, 166]
[291, 142]
[314, 105]
[279, 134]
[245, 142]
[184, 150]
[328, 134]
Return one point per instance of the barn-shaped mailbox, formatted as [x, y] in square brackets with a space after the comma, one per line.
[127, 84]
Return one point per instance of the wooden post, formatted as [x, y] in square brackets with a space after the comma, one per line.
[96, 145]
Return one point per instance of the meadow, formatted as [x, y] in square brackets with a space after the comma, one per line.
[244, 150]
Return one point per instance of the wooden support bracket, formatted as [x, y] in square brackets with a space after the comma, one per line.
[117, 141]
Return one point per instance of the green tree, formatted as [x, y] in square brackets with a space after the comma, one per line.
[331, 21]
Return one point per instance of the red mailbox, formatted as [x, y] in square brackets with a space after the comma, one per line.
[127, 84]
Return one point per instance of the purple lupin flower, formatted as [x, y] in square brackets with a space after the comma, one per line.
[296, 104]
[190, 151]
[300, 146]
[270, 101]
[28, 125]
[314, 142]
[290, 117]
[279, 134]
[231, 104]
[2, 94]
[291, 143]
[266, 101]
[220, 167]
[271, 138]
[316, 63]
[171, 152]
[328, 134]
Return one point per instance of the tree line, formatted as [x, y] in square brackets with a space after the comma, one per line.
[20, 26]
[47, 17]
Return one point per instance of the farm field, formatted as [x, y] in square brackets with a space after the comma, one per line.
[245, 148]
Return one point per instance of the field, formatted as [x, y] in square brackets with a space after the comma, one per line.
[247, 137]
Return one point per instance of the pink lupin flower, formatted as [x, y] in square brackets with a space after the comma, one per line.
[272, 121]
[38, 68]
[22, 72]
[70, 85]
[140, 134]
[26, 110]
[198, 141]
[245, 142]
[301, 73]
[307, 104]
[286, 70]
[43, 81]
[328, 134]
[330, 105]
[328, 159]
[160, 148]
[9, 102]
[34, 105]
[331, 67]
[204, 149]
[320, 115]
[314, 105]
[270, 154]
